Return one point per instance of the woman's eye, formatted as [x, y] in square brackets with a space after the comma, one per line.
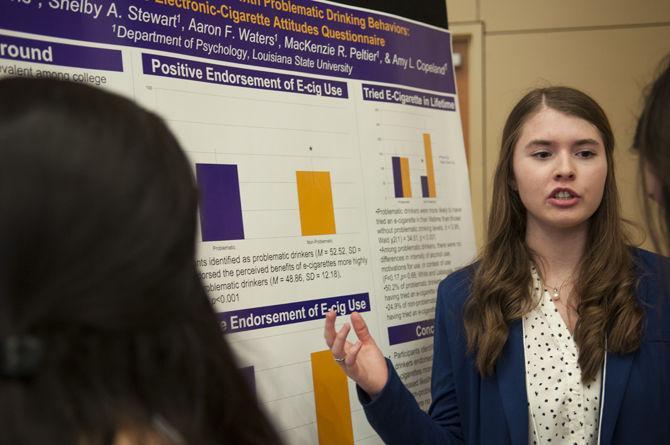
[541, 154]
[586, 154]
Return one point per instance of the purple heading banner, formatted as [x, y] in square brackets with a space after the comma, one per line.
[411, 331]
[51, 53]
[298, 35]
[225, 75]
[379, 93]
[289, 313]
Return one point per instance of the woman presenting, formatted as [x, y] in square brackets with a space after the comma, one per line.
[554, 335]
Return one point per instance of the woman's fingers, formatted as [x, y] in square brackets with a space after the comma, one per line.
[343, 351]
[362, 361]
[360, 328]
[352, 354]
[340, 341]
[329, 329]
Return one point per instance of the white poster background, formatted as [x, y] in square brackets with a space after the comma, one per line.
[394, 249]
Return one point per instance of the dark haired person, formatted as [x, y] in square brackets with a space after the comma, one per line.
[106, 333]
[652, 142]
[554, 336]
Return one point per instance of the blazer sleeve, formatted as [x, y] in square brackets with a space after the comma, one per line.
[394, 413]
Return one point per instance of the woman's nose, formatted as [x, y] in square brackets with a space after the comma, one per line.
[564, 167]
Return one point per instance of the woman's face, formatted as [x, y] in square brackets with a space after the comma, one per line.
[559, 167]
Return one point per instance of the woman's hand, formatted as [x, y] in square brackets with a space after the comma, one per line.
[362, 361]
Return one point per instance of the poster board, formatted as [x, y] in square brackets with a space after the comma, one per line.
[327, 145]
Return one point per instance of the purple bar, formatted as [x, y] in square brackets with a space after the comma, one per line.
[397, 177]
[403, 96]
[220, 203]
[290, 313]
[156, 65]
[412, 331]
[250, 377]
[424, 187]
[50, 53]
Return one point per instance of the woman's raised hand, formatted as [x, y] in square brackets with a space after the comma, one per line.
[362, 361]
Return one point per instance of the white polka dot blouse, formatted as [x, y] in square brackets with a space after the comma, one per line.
[561, 409]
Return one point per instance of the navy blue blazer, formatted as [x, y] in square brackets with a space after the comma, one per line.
[467, 408]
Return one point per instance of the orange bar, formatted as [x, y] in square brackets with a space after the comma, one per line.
[404, 174]
[315, 199]
[331, 396]
[430, 170]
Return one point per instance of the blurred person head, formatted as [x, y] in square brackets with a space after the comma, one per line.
[652, 142]
[106, 333]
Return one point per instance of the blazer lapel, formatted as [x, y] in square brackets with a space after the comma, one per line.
[617, 370]
[511, 377]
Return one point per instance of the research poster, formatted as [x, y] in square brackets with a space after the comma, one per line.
[327, 146]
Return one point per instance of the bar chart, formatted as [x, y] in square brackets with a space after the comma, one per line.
[402, 182]
[428, 181]
[412, 153]
[331, 397]
[277, 174]
[315, 198]
[220, 202]
[315, 402]
[250, 376]
[291, 162]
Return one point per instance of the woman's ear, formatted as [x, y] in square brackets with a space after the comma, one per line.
[512, 184]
